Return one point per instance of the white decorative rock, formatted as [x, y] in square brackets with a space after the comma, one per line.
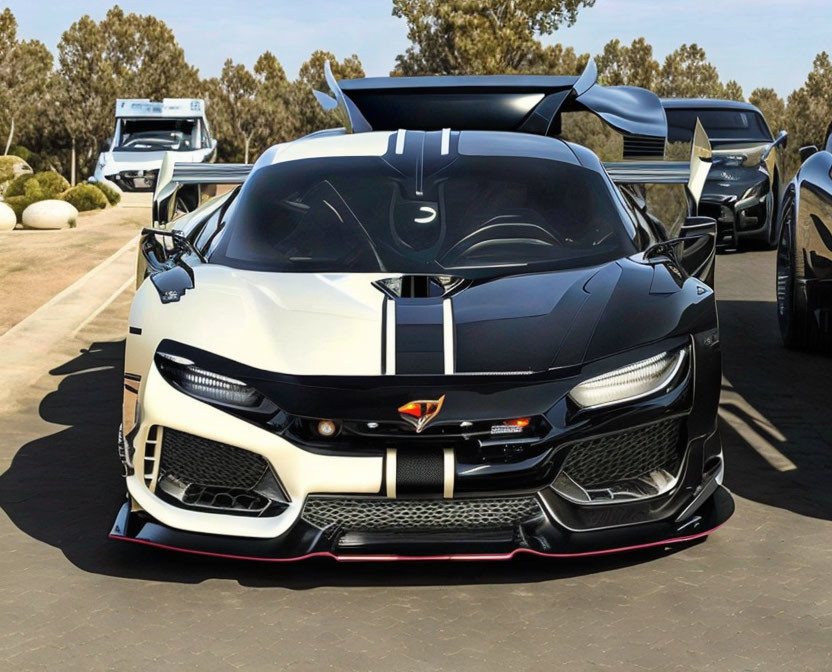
[7, 218]
[50, 214]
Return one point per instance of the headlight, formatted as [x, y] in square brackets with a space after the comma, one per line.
[630, 382]
[207, 385]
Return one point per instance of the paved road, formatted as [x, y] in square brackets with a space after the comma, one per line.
[755, 596]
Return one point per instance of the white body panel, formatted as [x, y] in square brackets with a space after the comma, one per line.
[329, 324]
[301, 472]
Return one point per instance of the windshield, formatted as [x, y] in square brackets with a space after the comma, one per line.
[158, 135]
[719, 124]
[475, 216]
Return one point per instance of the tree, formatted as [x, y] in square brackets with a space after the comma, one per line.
[630, 66]
[233, 99]
[123, 56]
[809, 109]
[771, 105]
[458, 37]
[250, 110]
[25, 67]
[732, 91]
[686, 73]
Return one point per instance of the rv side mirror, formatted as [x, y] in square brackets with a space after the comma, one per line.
[806, 152]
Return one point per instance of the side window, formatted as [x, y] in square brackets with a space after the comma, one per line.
[206, 134]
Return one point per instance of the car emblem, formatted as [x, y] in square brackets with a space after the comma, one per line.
[421, 413]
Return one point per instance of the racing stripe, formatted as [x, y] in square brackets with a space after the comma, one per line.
[420, 336]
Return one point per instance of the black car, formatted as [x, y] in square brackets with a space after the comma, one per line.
[399, 339]
[744, 187]
[804, 256]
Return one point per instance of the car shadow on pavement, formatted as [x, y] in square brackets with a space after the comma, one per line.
[775, 413]
[64, 489]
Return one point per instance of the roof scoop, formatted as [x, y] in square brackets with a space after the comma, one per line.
[420, 286]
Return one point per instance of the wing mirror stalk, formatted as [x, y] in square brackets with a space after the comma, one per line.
[693, 250]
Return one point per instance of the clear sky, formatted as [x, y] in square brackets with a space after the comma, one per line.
[757, 42]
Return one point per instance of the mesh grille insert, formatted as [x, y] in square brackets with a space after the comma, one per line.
[194, 460]
[626, 455]
[415, 514]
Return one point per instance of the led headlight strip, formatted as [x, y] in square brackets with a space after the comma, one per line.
[207, 385]
[634, 381]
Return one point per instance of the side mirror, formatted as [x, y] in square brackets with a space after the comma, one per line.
[693, 250]
[782, 140]
[106, 144]
[806, 152]
[697, 246]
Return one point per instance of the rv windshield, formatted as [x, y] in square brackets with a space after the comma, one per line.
[160, 135]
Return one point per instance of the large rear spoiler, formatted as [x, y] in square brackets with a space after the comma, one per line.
[179, 186]
[692, 173]
[522, 103]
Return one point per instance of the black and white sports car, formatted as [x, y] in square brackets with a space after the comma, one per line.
[402, 340]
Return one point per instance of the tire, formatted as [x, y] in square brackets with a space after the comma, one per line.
[794, 318]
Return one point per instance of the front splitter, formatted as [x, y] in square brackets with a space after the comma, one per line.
[304, 541]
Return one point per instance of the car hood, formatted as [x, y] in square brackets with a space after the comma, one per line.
[341, 324]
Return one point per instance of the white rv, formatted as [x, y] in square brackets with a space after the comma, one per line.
[144, 131]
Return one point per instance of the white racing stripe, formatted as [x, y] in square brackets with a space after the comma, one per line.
[390, 472]
[448, 335]
[390, 343]
[446, 141]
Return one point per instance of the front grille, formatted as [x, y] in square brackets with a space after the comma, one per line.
[424, 514]
[626, 455]
[194, 460]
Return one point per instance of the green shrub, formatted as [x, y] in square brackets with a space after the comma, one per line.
[7, 164]
[112, 194]
[85, 197]
[49, 183]
[18, 185]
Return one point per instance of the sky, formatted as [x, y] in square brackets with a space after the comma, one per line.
[756, 42]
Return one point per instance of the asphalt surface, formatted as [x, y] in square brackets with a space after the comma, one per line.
[756, 595]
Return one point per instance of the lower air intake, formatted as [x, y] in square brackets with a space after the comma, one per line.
[424, 514]
[624, 466]
[205, 474]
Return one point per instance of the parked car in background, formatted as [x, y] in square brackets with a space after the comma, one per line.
[744, 186]
[804, 255]
[145, 131]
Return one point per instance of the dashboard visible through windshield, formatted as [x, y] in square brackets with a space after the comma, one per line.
[474, 216]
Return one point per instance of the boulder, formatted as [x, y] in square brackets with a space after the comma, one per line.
[7, 218]
[10, 168]
[50, 214]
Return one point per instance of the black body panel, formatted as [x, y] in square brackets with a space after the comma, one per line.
[541, 536]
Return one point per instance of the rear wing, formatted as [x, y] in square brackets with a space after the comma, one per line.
[521, 103]
[180, 186]
[692, 174]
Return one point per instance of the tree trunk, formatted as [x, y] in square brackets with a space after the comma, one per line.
[9, 140]
[72, 165]
[248, 142]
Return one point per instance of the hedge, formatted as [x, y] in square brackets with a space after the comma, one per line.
[112, 195]
[85, 197]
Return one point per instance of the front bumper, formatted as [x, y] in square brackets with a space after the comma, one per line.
[548, 523]
[738, 217]
[541, 536]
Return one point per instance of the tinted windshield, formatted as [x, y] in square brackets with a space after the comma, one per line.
[158, 135]
[477, 215]
[719, 124]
